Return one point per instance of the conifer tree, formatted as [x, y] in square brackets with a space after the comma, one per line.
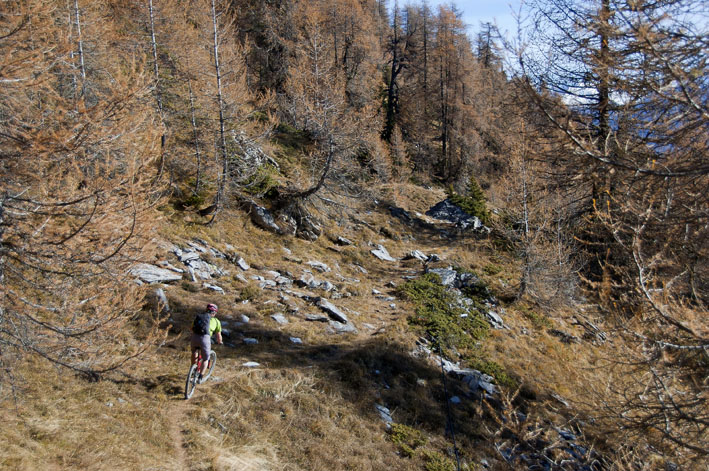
[77, 202]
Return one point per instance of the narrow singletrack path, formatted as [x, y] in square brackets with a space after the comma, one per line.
[176, 416]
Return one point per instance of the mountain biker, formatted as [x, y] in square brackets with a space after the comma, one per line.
[201, 336]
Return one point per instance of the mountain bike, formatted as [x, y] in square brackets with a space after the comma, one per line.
[193, 375]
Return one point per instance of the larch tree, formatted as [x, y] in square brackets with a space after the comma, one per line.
[77, 196]
[625, 87]
[317, 102]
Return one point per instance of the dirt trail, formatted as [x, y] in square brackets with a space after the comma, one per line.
[175, 418]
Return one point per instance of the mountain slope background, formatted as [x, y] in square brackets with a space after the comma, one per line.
[279, 158]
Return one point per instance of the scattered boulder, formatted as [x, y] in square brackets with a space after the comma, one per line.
[280, 318]
[308, 229]
[495, 320]
[152, 274]
[169, 266]
[262, 218]
[319, 266]
[216, 288]
[309, 281]
[241, 263]
[186, 255]
[331, 310]
[446, 210]
[417, 254]
[342, 241]
[448, 276]
[385, 414]
[476, 380]
[157, 300]
[340, 328]
[381, 253]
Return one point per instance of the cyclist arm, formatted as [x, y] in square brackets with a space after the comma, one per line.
[217, 330]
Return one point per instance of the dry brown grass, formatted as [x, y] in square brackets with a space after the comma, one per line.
[307, 406]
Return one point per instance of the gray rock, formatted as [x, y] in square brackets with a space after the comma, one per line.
[340, 328]
[319, 266]
[250, 341]
[447, 275]
[301, 295]
[296, 340]
[381, 253]
[417, 254]
[476, 380]
[244, 318]
[316, 318]
[152, 274]
[288, 223]
[159, 302]
[279, 318]
[205, 270]
[342, 241]
[197, 247]
[186, 255]
[446, 210]
[217, 253]
[327, 286]
[385, 414]
[241, 263]
[307, 281]
[262, 218]
[331, 310]
[495, 320]
[213, 288]
[282, 280]
[308, 228]
[251, 364]
[169, 266]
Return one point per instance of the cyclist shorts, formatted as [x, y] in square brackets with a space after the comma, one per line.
[203, 342]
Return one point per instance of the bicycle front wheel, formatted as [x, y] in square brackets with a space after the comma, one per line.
[191, 382]
[210, 367]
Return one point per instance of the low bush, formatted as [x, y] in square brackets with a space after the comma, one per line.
[439, 315]
[406, 438]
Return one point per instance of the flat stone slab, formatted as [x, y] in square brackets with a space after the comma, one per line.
[331, 310]
[152, 274]
[382, 254]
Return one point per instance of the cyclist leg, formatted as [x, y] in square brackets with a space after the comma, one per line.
[195, 347]
[205, 345]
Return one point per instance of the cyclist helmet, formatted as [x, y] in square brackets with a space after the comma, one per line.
[212, 307]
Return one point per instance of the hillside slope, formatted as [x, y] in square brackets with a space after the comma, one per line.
[299, 391]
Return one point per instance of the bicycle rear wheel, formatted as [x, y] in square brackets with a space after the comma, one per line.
[212, 362]
[191, 382]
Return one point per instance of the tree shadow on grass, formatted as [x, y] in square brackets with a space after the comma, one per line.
[374, 371]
